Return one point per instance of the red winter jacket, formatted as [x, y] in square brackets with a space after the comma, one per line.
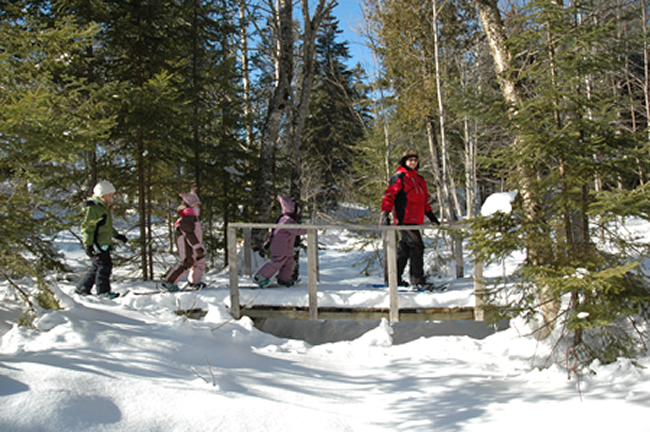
[408, 196]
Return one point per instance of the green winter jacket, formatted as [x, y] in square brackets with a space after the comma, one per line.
[97, 227]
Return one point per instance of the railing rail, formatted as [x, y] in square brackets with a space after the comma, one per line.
[388, 231]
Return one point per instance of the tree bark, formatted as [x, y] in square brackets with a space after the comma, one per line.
[450, 206]
[495, 32]
[243, 41]
[435, 166]
[470, 170]
[142, 207]
[646, 62]
[273, 121]
[302, 107]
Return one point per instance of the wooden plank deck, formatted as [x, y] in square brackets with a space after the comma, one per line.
[358, 314]
[394, 312]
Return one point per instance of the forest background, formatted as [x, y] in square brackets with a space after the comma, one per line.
[245, 99]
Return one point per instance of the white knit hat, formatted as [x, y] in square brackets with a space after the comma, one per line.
[103, 188]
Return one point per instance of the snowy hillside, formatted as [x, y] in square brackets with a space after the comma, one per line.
[133, 364]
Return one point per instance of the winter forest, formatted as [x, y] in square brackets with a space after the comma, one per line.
[245, 99]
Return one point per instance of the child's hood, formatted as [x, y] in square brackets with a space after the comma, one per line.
[190, 198]
[287, 205]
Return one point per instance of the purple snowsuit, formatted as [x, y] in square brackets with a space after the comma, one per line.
[189, 238]
[282, 241]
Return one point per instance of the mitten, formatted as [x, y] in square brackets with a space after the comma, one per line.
[383, 219]
[432, 218]
[121, 237]
[89, 251]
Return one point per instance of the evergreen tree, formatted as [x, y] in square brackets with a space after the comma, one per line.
[337, 119]
[212, 156]
[49, 116]
[179, 108]
[569, 137]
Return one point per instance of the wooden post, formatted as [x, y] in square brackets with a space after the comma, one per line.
[312, 272]
[384, 247]
[390, 234]
[479, 313]
[458, 252]
[234, 277]
[248, 267]
[391, 265]
[317, 258]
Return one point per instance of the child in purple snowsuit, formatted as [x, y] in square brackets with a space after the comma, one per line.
[282, 241]
[189, 238]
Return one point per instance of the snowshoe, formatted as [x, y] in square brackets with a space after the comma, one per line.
[168, 287]
[261, 281]
[287, 283]
[197, 285]
[431, 287]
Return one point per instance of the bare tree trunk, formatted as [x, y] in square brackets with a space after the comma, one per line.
[142, 207]
[435, 167]
[646, 73]
[273, 122]
[225, 190]
[91, 155]
[91, 158]
[302, 107]
[451, 207]
[495, 32]
[470, 170]
[149, 222]
[243, 42]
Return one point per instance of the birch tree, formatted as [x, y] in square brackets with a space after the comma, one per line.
[555, 71]
[496, 35]
[301, 107]
[279, 101]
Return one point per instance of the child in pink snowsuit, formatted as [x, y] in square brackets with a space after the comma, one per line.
[189, 238]
[282, 241]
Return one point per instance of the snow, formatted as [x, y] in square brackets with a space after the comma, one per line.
[499, 202]
[133, 364]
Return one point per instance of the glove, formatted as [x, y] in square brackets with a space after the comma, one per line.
[90, 251]
[432, 218]
[122, 238]
[383, 219]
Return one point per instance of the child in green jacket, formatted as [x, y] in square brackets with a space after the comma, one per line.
[97, 235]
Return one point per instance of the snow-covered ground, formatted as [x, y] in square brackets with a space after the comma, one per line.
[133, 364]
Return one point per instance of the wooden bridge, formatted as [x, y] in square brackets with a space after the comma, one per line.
[313, 312]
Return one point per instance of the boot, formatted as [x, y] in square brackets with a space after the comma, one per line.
[169, 287]
[261, 281]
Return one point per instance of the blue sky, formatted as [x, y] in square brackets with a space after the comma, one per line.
[349, 14]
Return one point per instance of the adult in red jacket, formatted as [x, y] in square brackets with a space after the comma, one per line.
[407, 197]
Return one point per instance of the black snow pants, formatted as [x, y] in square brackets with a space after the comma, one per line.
[411, 247]
[99, 274]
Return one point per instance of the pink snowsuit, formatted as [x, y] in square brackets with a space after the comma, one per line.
[282, 241]
[189, 237]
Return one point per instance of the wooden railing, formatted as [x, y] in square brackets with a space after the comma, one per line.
[393, 313]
